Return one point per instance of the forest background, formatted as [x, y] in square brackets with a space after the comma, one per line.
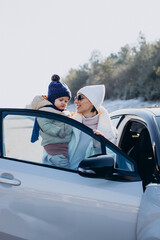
[133, 72]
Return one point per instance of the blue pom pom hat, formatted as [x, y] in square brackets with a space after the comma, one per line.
[57, 89]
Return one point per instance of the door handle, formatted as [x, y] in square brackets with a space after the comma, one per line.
[7, 178]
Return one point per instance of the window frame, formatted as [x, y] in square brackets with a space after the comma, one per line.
[39, 113]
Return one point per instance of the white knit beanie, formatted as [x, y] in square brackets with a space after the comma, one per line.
[94, 93]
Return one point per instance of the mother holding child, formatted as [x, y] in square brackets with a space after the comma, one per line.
[64, 146]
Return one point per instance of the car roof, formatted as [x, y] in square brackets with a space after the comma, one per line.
[154, 111]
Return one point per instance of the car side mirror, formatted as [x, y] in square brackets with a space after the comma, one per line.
[97, 167]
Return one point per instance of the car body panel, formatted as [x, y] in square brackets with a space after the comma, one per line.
[149, 215]
[53, 204]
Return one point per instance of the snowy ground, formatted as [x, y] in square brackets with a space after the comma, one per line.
[112, 105]
[132, 103]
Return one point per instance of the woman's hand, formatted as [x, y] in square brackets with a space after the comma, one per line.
[97, 132]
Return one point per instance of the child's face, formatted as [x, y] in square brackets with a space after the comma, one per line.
[61, 102]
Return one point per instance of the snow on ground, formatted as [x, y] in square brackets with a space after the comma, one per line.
[132, 103]
[112, 105]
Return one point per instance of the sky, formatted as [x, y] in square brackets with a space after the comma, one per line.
[39, 38]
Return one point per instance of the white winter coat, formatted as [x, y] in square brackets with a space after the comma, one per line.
[104, 125]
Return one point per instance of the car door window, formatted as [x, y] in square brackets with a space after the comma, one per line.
[53, 140]
[18, 144]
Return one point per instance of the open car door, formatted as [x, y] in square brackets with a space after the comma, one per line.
[98, 200]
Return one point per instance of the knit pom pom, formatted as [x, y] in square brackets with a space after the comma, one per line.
[55, 78]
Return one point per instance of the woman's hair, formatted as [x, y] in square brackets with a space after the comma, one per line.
[94, 109]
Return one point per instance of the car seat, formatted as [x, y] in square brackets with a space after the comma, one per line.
[142, 154]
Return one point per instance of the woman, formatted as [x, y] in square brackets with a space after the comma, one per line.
[89, 112]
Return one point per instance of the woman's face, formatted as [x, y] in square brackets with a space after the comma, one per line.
[84, 106]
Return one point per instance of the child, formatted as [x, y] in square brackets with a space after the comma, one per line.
[55, 134]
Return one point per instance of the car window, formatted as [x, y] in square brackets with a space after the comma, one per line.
[135, 141]
[131, 134]
[53, 140]
[56, 143]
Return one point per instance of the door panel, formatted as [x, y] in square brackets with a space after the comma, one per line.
[55, 204]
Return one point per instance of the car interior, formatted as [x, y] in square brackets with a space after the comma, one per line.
[137, 144]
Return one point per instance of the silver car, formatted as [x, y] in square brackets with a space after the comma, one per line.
[99, 200]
